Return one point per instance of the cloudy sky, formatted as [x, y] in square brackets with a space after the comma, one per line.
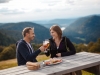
[30, 10]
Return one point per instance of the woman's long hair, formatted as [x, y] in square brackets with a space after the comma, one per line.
[57, 29]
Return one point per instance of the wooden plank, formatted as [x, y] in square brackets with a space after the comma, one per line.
[78, 56]
[96, 58]
[13, 68]
[91, 64]
[85, 60]
[31, 73]
[70, 63]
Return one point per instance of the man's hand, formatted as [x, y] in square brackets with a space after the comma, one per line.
[42, 48]
[32, 66]
[58, 54]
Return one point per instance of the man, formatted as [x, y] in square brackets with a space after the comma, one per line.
[24, 50]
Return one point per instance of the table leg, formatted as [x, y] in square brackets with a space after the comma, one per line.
[78, 72]
[98, 70]
[95, 70]
[72, 73]
[67, 74]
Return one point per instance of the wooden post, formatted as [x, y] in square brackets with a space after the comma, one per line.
[72, 73]
[75, 73]
[66, 74]
[78, 72]
[98, 70]
[95, 70]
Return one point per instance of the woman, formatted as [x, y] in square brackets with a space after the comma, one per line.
[59, 45]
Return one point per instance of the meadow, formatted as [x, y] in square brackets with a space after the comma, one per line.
[13, 62]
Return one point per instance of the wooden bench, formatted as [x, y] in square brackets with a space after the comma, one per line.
[74, 63]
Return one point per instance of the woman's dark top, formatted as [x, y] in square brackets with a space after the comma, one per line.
[66, 48]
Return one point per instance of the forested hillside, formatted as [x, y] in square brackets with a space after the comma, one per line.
[84, 30]
[5, 40]
[15, 30]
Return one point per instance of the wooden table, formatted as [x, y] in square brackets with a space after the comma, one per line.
[79, 61]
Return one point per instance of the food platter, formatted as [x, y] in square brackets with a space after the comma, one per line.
[53, 61]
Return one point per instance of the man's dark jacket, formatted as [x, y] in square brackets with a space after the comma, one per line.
[23, 53]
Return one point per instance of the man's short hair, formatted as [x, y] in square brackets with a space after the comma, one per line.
[26, 30]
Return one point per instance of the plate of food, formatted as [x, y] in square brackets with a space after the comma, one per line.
[52, 61]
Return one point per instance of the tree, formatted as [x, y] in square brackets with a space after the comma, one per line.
[98, 41]
[7, 53]
[95, 48]
[1, 48]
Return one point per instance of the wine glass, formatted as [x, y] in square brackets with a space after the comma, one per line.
[46, 45]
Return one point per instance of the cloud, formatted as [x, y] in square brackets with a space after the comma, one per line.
[47, 9]
[4, 1]
[6, 11]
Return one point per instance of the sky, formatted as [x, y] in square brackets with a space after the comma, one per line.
[33, 10]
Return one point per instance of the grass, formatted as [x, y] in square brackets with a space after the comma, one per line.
[8, 63]
[13, 62]
[86, 73]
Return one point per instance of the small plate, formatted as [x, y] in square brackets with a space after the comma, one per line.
[57, 62]
[48, 62]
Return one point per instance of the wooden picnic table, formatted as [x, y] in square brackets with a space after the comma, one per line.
[79, 61]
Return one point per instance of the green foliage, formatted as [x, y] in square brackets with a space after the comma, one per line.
[15, 29]
[91, 47]
[1, 48]
[7, 53]
[10, 51]
[98, 41]
[84, 29]
[81, 47]
[5, 40]
[14, 47]
[36, 47]
[95, 48]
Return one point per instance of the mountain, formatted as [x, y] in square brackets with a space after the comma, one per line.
[84, 29]
[1, 24]
[41, 22]
[5, 40]
[15, 30]
[60, 22]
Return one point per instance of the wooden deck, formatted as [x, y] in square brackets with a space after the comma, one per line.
[79, 61]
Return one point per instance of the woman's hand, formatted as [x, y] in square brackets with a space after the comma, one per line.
[58, 54]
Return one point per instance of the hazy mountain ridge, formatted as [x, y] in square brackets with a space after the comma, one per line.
[60, 22]
[85, 29]
[14, 30]
[1, 24]
[5, 40]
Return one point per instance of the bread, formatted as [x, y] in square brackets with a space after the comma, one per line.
[55, 60]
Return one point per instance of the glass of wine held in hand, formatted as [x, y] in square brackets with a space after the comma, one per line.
[46, 45]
